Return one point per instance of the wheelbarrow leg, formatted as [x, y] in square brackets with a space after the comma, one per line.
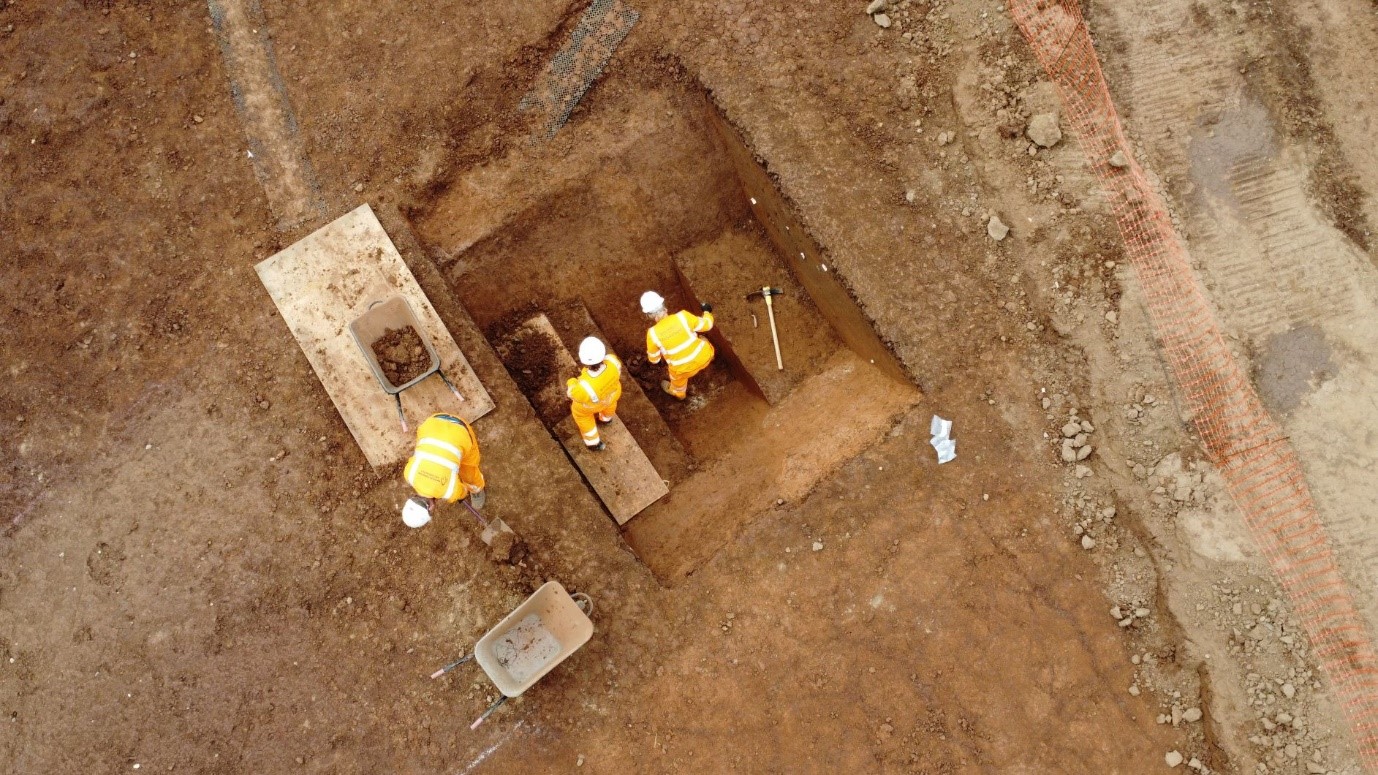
[400, 414]
[451, 385]
[488, 712]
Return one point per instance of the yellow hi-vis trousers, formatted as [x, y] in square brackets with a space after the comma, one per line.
[586, 416]
[679, 375]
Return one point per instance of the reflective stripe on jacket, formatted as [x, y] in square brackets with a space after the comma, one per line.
[676, 338]
[433, 470]
[594, 389]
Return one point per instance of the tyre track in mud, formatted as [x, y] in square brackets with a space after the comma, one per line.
[260, 97]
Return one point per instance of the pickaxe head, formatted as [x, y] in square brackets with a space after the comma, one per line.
[764, 292]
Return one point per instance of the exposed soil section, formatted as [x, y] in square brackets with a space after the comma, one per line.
[402, 355]
[529, 356]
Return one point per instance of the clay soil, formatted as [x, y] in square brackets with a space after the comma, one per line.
[402, 355]
[199, 572]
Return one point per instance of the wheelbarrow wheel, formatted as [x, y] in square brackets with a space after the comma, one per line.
[584, 602]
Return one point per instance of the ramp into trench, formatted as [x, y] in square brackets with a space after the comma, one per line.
[621, 475]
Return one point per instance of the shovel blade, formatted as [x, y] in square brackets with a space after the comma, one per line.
[491, 531]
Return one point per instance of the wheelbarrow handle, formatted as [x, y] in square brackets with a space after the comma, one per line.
[401, 415]
[452, 666]
[488, 712]
[451, 385]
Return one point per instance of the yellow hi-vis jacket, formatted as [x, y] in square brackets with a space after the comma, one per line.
[676, 338]
[444, 446]
[595, 391]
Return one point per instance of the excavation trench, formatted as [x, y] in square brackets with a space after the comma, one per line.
[652, 188]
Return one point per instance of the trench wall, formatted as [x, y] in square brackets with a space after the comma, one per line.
[825, 286]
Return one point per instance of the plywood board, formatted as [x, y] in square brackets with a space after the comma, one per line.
[621, 475]
[328, 279]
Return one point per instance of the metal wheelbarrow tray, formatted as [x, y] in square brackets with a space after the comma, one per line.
[529, 642]
[390, 314]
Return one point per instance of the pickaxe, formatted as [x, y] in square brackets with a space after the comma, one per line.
[766, 292]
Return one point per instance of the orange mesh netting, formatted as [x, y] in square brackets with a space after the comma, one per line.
[1260, 468]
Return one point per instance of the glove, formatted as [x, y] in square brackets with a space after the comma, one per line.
[706, 307]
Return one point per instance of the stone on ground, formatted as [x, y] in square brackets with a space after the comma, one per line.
[1043, 130]
[997, 229]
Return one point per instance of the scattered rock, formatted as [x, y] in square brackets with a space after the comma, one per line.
[910, 195]
[1043, 130]
[1191, 714]
[818, 546]
[1088, 543]
[997, 229]
[197, 119]
[1118, 160]
[882, 20]
[946, 138]
[876, 7]
[1083, 471]
[1071, 429]
[1173, 758]
[1069, 452]
[1084, 452]
[1134, 690]
[1289, 691]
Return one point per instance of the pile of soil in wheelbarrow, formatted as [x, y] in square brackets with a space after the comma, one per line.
[402, 355]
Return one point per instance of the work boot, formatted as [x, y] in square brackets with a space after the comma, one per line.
[477, 499]
[604, 420]
[665, 385]
[599, 447]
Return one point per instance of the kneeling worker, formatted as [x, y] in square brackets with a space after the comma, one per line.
[593, 394]
[676, 339]
[444, 467]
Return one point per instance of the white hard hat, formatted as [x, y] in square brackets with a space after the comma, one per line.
[591, 351]
[651, 302]
[416, 513]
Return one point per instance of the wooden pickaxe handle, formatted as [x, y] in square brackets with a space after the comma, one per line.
[766, 292]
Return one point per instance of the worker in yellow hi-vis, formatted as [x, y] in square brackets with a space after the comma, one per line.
[676, 339]
[444, 467]
[593, 394]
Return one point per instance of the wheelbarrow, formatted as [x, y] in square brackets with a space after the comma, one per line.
[540, 634]
[391, 314]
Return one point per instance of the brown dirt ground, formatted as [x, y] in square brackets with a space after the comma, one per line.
[200, 573]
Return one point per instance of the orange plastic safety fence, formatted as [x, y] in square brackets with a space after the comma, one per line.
[1259, 466]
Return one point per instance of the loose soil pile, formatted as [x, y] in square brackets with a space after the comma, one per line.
[402, 355]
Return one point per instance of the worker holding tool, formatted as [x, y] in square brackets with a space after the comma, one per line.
[676, 339]
[593, 394]
[444, 467]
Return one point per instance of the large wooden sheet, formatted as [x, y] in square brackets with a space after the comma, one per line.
[328, 279]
